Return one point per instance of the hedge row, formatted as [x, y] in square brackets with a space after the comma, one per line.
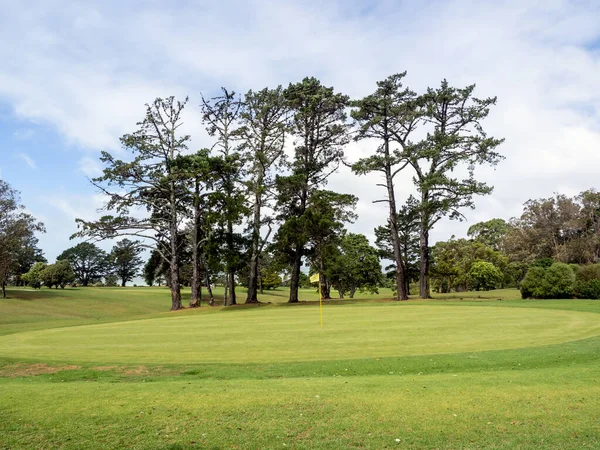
[562, 281]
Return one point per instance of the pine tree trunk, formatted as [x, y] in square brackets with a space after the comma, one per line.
[211, 297]
[253, 279]
[196, 297]
[3, 289]
[424, 261]
[231, 289]
[393, 219]
[295, 276]
[123, 282]
[323, 285]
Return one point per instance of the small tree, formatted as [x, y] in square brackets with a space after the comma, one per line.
[126, 260]
[484, 275]
[34, 277]
[58, 274]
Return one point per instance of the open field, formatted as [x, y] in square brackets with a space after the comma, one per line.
[110, 368]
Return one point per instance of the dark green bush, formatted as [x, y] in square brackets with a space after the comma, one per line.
[587, 289]
[532, 283]
[558, 281]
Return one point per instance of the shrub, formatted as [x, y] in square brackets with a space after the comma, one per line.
[587, 289]
[531, 286]
[588, 273]
[558, 281]
[484, 275]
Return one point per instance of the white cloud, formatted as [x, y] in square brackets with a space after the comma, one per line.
[90, 167]
[87, 70]
[28, 160]
[24, 134]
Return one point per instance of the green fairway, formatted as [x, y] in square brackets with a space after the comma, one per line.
[110, 368]
[293, 334]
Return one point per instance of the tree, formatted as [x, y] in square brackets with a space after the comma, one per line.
[199, 180]
[320, 132]
[58, 274]
[389, 116]
[408, 240]
[126, 260]
[17, 234]
[484, 275]
[356, 267]
[150, 181]
[263, 129]
[34, 277]
[455, 139]
[324, 220]
[221, 116]
[491, 233]
[152, 268]
[89, 262]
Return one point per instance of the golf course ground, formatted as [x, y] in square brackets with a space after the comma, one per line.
[113, 368]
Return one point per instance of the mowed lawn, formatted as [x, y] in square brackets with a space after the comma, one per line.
[112, 368]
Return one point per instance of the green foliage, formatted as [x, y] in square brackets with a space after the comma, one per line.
[34, 277]
[587, 289]
[556, 281]
[126, 260]
[18, 244]
[58, 274]
[531, 286]
[484, 275]
[269, 279]
[110, 280]
[355, 267]
[490, 233]
[89, 262]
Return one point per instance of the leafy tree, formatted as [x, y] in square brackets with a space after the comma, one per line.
[389, 116]
[58, 274]
[89, 262]
[455, 139]
[17, 234]
[151, 268]
[150, 181]
[561, 228]
[34, 277]
[111, 281]
[532, 284]
[318, 127]
[484, 275]
[126, 260]
[221, 116]
[491, 233]
[263, 128]
[356, 267]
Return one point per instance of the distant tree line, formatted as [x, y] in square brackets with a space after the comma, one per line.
[551, 251]
[245, 209]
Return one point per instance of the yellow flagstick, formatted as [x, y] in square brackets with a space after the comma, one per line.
[317, 279]
[321, 304]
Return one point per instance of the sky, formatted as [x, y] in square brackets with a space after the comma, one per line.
[75, 77]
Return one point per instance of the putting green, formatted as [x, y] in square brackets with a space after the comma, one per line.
[293, 334]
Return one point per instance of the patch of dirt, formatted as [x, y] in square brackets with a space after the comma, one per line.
[27, 370]
[104, 368]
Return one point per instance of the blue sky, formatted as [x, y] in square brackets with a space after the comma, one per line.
[75, 77]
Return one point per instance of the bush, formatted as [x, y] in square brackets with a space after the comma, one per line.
[588, 273]
[587, 289]
[484, 275]
[558, 281]
[532, 284]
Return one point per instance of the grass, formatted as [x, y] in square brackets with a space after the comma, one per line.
[109, 368]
